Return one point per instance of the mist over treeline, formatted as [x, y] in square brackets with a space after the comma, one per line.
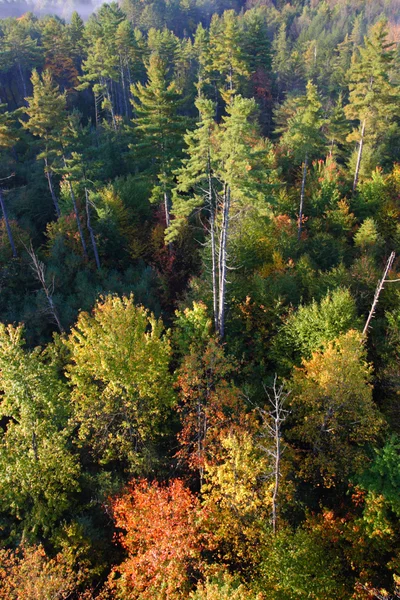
[200, 10]
[17, 8]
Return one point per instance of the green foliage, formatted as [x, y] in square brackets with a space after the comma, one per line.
[311, 327]
[121, 385]
[300, 565]
[38, 473]
[303, 132]
[382, 475]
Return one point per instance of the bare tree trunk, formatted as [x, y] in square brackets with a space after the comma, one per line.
[272, 424]
[360, 149]
[90, 229]
[96, 113]
[50, 182]
[223, 260]
[124, 91]
[23, 80]
[213, 251]
[378, 290]
[110, 101]
[8, 228]
[39, 271]
[303, 186]
[71, 191]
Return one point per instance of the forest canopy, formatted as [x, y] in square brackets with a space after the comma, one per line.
[200, 300]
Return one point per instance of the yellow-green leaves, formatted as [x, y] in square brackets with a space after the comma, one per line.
[38, 473]
[336, 416]
[122, 387]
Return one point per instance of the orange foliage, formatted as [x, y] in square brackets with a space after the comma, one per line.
[210, 405]
[162, 539]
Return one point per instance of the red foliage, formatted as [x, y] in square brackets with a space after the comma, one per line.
[162, 538]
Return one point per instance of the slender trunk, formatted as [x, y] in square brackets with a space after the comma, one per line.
[166, 210]
[110, 102]
[230, 79]
[131, 111]
[50, 182]
[71, 191]
[23, 80]
[213, 248]
[123, 82]
[90, 229]
[167, 216]
[303, 185]
[39, 271]
[223, 261]
[360, 149]
[277, 471]
[378, 290]
[96, 113]
[8, 228]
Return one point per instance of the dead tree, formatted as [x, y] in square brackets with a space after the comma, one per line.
[378, 290]
[39, 271]
[272, 420]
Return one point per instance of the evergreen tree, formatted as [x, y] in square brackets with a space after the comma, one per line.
[8, 137]
[197, 178]
[48, 120]
[303, 135]
[228, 61]
[159, 129]
[337, 128]
[243, 170]
[20, 51]
[202, 57]
[47, 117]
[58, 54]
[101, 69]
[374, 96]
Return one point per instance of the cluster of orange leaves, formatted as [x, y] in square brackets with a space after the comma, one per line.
[161, 535]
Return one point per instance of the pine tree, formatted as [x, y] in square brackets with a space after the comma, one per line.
[202, 57]
[48, 121]
[46, 112]
[228, 59]
[197, 178]
[58, 54]
[337, 128]
[20, 51]
[243, 170]
[159, 129]
[8, 137]
[101, 69]
[75, 31]
[303, 135]
[374, 97]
